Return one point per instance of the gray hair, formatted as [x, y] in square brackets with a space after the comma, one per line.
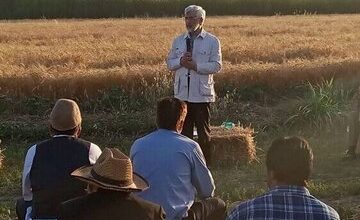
[200, 12]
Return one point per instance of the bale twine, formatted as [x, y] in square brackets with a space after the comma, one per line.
[235, 145]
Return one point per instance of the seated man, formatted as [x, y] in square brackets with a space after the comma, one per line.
[46, 178]
[111, 183]
[289, 163]
[175, 167]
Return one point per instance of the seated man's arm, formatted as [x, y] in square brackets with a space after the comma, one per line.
[26, 184]
[23, 205]
[94, 153]
[201, 177]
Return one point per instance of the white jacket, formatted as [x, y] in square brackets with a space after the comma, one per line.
[207, 56]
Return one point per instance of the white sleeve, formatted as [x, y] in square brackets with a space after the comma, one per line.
[26, 184]
[215, 61]
[94, 153]
[173, 61]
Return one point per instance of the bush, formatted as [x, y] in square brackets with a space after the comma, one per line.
[320, 106]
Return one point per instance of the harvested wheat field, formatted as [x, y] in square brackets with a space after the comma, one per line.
[54, 58]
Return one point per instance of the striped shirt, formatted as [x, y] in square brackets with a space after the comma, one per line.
[284, 202]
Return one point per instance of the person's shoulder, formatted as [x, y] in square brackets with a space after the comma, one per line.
[43, 142]
[211, 36]
[32, 147]
[144, 203]
[187, 141]
[80, 140]
[180, 37]
[146, 137]
[326, 209]
[147, 206]
[73, 207]
[240, 210]
[143, 142]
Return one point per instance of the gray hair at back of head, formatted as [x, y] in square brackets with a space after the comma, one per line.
[200, 12]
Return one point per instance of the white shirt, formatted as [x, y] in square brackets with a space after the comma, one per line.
[207, 55]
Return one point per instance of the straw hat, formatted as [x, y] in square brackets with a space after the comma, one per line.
[112, 171]
[65, 115]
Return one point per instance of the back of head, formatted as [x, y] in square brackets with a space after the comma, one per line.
[291, 160]
[65, 116]
[169, 112]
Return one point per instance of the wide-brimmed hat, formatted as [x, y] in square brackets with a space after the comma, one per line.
[112, 171]
[65, 115]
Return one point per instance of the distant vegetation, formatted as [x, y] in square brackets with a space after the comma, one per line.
[15, 9]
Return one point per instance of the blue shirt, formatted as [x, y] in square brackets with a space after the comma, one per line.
[284, 203]
[175, 168]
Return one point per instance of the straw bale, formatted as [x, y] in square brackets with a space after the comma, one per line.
[233, 145]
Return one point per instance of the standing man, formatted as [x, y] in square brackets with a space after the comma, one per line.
[289, 162]
[175, 167]
[46, 180]
[195, 57]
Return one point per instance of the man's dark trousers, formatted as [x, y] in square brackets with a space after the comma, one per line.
[207, 209]
[198, 115]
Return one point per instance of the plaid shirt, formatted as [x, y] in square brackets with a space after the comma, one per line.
[284, 203]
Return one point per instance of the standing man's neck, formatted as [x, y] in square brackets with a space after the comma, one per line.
[196, 32]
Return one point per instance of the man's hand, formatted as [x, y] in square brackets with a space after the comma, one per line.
[187, 61]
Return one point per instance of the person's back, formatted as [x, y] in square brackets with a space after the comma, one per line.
[289, 162]
[110, 205]
[284, 203]
[175, 167]
[170, 162]
[50, 178]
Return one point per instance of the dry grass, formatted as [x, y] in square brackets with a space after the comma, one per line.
[79, 57]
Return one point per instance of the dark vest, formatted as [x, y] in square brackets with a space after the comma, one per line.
[50, 178]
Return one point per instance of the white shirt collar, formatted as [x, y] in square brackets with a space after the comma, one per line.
[63, 135]
[202, 34]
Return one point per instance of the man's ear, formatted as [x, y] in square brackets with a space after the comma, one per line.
[180, 125]
[270, 179]
[201, 21]
[78, 131]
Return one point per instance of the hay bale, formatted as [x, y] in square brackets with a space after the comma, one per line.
[235, 145]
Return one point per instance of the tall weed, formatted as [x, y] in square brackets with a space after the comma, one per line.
[321, 105]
